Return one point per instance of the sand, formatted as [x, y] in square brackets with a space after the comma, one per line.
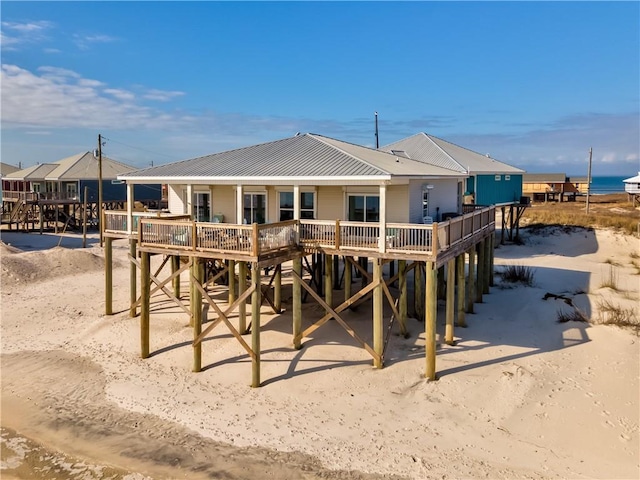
[519, 395]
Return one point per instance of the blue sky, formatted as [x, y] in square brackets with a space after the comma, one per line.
[534, 84]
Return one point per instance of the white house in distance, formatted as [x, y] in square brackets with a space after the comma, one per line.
[306, 176]
[632, 187]
[490, 181]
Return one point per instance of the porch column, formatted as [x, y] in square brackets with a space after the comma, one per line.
[133, 278]
[382, 237]
[296, 210]
[239, 205]
[130, 201]
[189, 205]
[431, 306]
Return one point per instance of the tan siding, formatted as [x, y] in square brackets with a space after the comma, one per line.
[398, 203]
[223, 201]
[330, 201]
[175, 203]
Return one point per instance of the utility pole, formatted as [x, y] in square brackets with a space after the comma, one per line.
[377, 140]
[589, 177]
[100, 187]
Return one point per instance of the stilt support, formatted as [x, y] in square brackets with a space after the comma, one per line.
[450, 308]
[378, 323]
[197, 276]
[133, 279]
[108, 276]
[297, 303]
[431, 307]
[242, 307]
[471, 291]
[256, 300]
[461, 321]
[145, 287]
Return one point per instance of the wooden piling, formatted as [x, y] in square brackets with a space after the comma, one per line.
[471, 291]
[328, 280]
[277, 288]
[175, 266]
[378, 320]
[418, 299]
[480, 272]
[431, 307]
[347, 277]
[145, 288]
[402, 300]
[297, 303]
[461, 321]
[450, 305]
[197, 277]
[491, 260]
[487, 264]
[231, 275]
[133, 278]
[256, 300]
[242, 307]
[441, 284]
[108, 276]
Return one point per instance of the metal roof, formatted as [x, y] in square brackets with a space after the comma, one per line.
[544, 178]
[435, 151]
[82, 166]
[302, 156]
[635, 179]
[6, 169]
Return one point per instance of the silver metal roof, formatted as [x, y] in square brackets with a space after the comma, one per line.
[302, 156]
[435, 151]
[82, 166]
[544, 178]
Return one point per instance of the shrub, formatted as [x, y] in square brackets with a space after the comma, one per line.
[517, 274]
[611, 281]
[612, 314]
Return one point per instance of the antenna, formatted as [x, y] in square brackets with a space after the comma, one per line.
[377, 139]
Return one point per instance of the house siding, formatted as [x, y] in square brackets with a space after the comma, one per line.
[443, 198]
[491, 191]
[175, 203]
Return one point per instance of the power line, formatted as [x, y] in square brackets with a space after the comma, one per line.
[138, 148]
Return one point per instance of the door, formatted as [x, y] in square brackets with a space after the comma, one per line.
[201, 207]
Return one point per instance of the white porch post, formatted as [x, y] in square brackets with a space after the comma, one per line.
[130, 201]
[239, 204]
[382, 238]
[189, 204]
[296, 209]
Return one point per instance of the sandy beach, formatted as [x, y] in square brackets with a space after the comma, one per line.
[519, 395]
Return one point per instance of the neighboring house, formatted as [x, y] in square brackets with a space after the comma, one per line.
[549, 186]
[333, 179]
[5, 169]
[581, 184]
[66, 179]
[490, 182]
[632, 187]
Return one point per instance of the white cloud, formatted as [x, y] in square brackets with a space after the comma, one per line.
[161, 95]
[123, 95]
[28, 27]
[23, 33]
[84, 42]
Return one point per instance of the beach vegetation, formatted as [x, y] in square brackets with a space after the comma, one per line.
[610, 313]
[517, 274]
[572, 316]
[611, 280]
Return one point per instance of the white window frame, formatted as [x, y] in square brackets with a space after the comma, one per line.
[302, 192]
[266, 203]
[507, 178]
[365, 196]
[498, 178]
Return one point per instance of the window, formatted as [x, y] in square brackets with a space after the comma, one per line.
[254, 208]
[307, 205]
[498, 178]
[507, 178]
[425, 203]
[201, 207]
[364, 208]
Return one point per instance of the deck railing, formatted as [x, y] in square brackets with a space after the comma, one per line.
[115, 221]
[255, 240]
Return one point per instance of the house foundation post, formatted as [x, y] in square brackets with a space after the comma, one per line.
[277, 288]
[487, 265]
[175, 266]
[145, 288]
[402, 300]
[461, 321]
[108, 276]
[491, 260]
[328, 280]
[348, 269]
[242, 307]
[450, 307]
[231, 275]
[471, 291]
[418, 294]
[378, 323]
[431, 307]
[480, 272]
[256, 300]
[133, 278]
[198, 277]
[441, 283]
[297, 303]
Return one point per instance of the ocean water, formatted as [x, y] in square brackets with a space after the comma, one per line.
[608, 184]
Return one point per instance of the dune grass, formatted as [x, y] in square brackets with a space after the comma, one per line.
[610, 313]
[611, 280]
[517, 274]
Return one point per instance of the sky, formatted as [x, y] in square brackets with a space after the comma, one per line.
[533, 84]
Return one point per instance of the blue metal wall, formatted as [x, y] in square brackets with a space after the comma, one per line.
[118, 191]
[489, 191]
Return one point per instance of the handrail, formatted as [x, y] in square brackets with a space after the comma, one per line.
[258, 239]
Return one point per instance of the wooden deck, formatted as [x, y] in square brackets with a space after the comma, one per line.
[268, 243]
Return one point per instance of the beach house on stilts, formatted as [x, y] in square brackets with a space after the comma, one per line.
[307, 196]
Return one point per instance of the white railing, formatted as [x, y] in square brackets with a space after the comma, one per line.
[115, 221]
